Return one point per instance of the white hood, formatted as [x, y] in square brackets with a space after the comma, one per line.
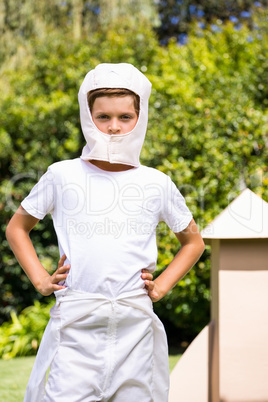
[114, 148]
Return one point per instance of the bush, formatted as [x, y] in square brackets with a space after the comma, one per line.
[22, 336]
[207, 130]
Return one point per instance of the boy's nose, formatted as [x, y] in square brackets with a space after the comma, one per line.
[114, 126]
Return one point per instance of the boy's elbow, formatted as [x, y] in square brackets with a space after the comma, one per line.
[199, 244]
[202, 245]
[8, 232]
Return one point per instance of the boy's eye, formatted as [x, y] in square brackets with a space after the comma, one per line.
[102, 117]
[126, 117]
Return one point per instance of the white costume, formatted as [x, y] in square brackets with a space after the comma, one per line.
[103, 342]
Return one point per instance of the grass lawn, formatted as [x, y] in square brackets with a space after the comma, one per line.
[175, 353]
[14, 375]
[173, 360]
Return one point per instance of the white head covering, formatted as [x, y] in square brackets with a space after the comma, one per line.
[114, 148]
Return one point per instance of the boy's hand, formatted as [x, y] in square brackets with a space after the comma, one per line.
[49, 283]
[150, 285]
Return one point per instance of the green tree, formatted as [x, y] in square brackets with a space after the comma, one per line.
[207, 130]
[176, 16]
[75, 18]
[111, 11]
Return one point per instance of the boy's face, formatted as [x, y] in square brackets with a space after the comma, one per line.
[114, 115]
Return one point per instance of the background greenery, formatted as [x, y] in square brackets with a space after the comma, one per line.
[14, 377]
[207, 127]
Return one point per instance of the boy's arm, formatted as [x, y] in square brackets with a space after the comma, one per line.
[17, 234]
[192, 247]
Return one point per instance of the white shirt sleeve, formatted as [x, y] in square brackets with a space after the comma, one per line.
[175, 212]
[40, 201]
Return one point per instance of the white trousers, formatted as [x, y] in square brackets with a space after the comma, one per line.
[101, 350]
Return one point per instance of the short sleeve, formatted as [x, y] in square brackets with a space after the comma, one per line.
[40, 201]
[175, 212]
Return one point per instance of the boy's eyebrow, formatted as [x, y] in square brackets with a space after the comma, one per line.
[101, 111]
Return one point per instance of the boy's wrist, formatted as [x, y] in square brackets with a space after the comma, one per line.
[39, 283]
[159, 292]
[161, 289]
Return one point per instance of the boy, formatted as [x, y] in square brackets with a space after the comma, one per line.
[103, 342]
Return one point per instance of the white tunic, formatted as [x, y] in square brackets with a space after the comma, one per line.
[105, 221]
[104, 342]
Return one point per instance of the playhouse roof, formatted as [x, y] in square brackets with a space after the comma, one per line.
[245, 218]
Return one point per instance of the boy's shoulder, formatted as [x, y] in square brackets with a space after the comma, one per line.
[66, 164]
[66, 168]
[154, 174]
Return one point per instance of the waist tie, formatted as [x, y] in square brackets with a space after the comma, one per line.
[72, 305]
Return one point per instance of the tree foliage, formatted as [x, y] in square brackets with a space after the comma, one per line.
[176, 16]
[76, 18]
[207, 130]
